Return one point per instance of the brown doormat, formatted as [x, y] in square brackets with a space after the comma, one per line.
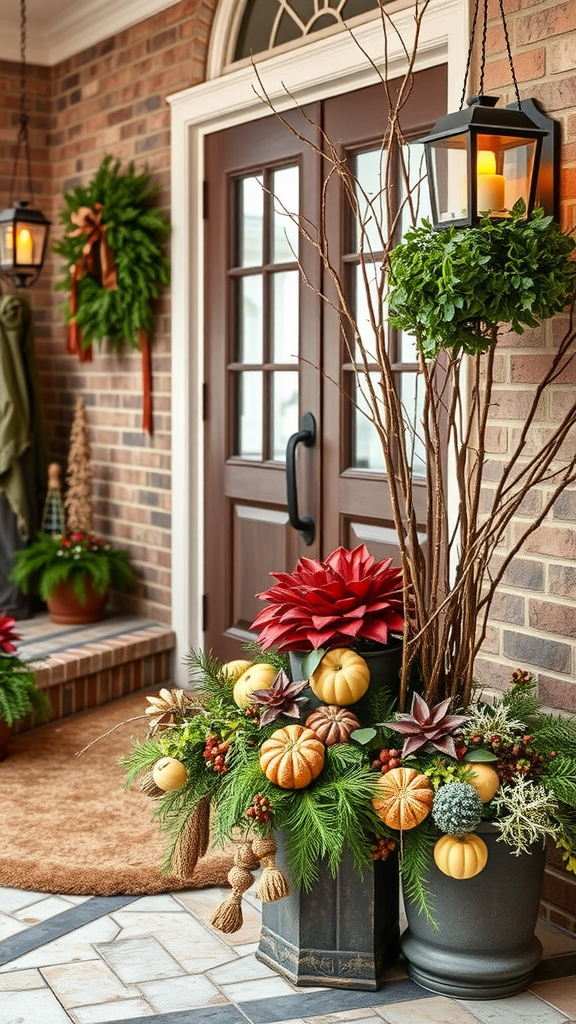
[66, 823]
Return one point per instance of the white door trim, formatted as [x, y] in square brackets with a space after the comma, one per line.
[316, 70]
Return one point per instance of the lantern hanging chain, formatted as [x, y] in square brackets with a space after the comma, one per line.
[23, 130]
[483, 51]
[509, 52]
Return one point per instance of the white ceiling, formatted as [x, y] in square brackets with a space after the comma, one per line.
[56, 29]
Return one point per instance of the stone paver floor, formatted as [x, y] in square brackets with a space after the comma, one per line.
[87, 960]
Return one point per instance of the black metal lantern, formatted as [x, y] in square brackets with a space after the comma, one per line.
[482, 159]
[23, 230]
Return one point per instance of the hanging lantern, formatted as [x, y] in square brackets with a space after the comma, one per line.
[23, 230]
[482, 159]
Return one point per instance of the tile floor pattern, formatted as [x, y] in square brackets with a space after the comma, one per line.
[126, 959]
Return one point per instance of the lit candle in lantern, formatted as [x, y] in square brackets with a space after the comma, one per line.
[24, 247]
[489, 185]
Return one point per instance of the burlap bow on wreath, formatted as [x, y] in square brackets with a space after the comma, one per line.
[114, 265]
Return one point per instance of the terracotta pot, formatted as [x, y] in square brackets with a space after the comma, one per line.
[65, 607]
[4, 738]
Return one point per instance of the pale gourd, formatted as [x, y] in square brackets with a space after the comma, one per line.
[484, 778]
[259, 676]
[461, 856]
[404, 798]
[292, 757]
[232, 670]
[169, 774]
[342, 677]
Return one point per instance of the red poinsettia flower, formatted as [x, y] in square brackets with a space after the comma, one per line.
[7, 635]
[346, 598]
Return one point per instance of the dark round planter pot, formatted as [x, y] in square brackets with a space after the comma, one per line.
[66, 609]
[484, 947]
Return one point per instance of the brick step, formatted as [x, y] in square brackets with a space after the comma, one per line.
[80, 667]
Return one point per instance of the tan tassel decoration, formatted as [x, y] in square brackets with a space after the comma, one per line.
[193, 841]
[272, 884]
[246, 858]
[228, 917]
[149, 787]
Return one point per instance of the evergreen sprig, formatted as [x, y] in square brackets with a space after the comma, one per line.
[135, 230]
[18, 693]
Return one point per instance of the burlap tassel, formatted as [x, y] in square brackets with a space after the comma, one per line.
[272, 884]
[149, 787]
[193, 841]
[228, 917]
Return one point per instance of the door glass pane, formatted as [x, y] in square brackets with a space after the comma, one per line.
[250, 306]
[285, 316]
[412, 394]
[249, 405]
[285, 209]
[250, 222]
[366, 444]
[371, 226]
[284, 411]
[367, 307]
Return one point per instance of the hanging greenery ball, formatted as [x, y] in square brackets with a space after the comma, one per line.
[457, 808]
[114, 265]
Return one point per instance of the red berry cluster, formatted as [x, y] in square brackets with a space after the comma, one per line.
[260, 809]
[383, 848]
[215, 753]
[386, 760]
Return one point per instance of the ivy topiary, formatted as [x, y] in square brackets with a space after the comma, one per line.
[135, 230]
[457, 808]
[452, 288]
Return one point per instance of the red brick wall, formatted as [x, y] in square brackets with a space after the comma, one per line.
[110, 98]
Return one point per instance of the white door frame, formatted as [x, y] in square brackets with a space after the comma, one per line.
[314, 71]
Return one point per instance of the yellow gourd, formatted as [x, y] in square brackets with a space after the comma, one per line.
[232, 670]
[461, 856]
[484, 778]
[258, 677]
[342, 677]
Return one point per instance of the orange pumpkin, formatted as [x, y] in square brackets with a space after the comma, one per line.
[332, 724]
[292, 757]
[461, 856]
[259, 676]
[404, 798]
[342, 677]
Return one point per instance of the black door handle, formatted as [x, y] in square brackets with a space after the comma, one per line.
[306, 436]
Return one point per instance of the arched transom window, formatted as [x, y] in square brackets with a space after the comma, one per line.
[267, 24]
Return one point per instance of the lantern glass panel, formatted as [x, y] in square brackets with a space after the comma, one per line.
[449, 168]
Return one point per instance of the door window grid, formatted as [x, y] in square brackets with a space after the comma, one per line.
[364, 443]
[267, 24]
[265, 304]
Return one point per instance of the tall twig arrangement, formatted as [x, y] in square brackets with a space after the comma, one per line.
[452, 572]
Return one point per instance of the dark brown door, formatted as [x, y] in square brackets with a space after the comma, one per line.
[274, 352]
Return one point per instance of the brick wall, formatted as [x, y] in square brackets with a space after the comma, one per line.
[110, 98]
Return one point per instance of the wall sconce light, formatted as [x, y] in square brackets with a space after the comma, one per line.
[482, 159]
[23, 230]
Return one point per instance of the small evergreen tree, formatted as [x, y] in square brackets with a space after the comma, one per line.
[79, 474]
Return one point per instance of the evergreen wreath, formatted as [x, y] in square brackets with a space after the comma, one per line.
[114, 264]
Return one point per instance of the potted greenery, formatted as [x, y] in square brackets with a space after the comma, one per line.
[18, 693]
[73, 570]
[73, 573]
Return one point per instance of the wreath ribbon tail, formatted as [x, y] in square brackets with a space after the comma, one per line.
[73, 339]
[144, 344]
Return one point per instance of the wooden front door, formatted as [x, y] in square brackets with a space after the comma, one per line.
[276, 363]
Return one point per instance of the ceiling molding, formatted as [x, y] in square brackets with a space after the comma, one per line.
[58, 29]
